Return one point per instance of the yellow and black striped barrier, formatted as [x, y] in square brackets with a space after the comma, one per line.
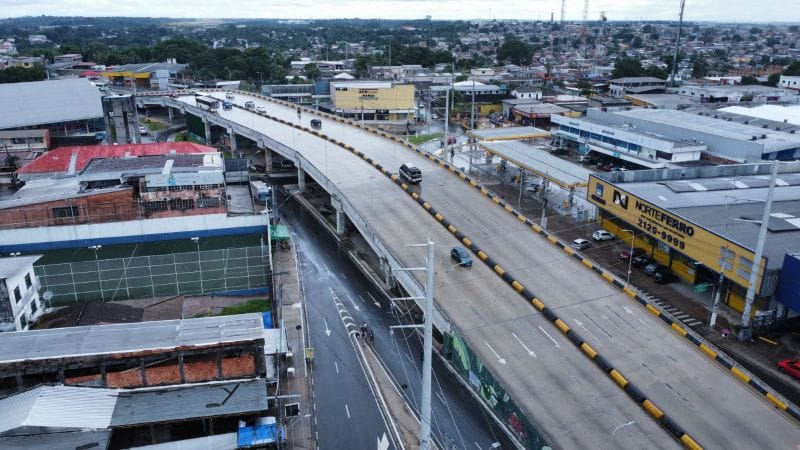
[628, 387]
[632, 391]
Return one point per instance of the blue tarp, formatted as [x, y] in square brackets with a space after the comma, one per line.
[788, 291]
[259, 435]
[267, 319]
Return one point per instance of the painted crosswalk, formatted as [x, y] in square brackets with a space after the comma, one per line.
[674, 311]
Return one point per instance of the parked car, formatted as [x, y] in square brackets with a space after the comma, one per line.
[602, 235]
[532, 187]
[652, 268]
[642, 260]
[626, 254]
[287, 164]
[434, 116]
[580, 244]
[460, 255]
[143, 131]
[257, 168]
[790, 367]
[664, 277]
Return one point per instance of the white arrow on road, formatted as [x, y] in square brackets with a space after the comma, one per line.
[327, 330]
[530, 352]
[383, 442]
[353, 303]
[374, 302]
[501, 360]
[551, 337]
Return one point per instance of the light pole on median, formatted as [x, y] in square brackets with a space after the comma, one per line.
[97, 263]
[611, 444]
[630, 256]
[196, 240]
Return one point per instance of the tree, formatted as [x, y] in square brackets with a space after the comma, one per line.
[627, 67]
[18, 74]
[311, 71]
[699, 67]
[793, 69]
[749, 80]
[637, 42]
[515, 51]
[773, 80]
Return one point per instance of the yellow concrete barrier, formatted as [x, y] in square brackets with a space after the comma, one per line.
[618, 378]
[652, 409]
[690, 443]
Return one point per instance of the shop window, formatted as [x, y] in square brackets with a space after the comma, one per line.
[28, 282]
[68, 211]
[150, 207]
[17, 295]
[181, 204]
[745, 267]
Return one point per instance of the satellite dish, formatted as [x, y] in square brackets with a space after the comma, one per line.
[48, 295]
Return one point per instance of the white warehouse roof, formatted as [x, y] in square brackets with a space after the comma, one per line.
[45, 102]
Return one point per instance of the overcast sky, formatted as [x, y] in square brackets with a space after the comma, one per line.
[696, 10]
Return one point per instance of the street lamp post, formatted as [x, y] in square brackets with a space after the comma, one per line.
[611, 444]
[196, 240]
[630, 256]
[97, 263]
[261, 77]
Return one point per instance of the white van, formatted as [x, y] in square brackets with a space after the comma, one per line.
[410, 173]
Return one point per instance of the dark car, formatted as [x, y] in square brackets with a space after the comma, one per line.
[460, 255]
[664, 277]
[652, 268]
[316, 124]
[626, 254]
[257, 168]
[641, 260]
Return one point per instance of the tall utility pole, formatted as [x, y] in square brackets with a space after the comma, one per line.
[745, 332]
[472, 109]
[677, 46]
[583, 27]
[427, 344]
[563, 10]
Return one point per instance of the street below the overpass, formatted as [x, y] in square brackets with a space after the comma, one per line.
[338, 298]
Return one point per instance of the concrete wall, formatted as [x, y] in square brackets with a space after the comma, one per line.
[141, 230]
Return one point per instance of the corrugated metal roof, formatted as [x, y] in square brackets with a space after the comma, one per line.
[181, 402]
[86, 439]
[226, 441]
[58, 160]
[129, 337]
[540, 162]
[498, 134]
[50, 189]
[184, 179]
[44, 102]
[12, 266]
[58, 407]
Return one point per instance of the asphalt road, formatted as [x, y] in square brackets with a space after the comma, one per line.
[458, 421]
[559, 388]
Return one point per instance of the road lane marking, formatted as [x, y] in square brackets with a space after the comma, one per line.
[612, 324]
[499, 359]
[347, 410]
[530, 352]
[596, 340]
[358, 308]
[345, 276]
[629, 311]
[327, 329]
[335, 363]
[362, 299]
[551, 337]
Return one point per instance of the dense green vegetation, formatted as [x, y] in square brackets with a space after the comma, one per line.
[17, 74]
[250, 306]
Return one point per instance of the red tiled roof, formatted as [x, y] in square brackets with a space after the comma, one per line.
[57, 160]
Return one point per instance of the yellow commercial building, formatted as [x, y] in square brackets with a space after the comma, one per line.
[373, 101]
[703, 224]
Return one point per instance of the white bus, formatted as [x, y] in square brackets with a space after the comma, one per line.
[207, 103]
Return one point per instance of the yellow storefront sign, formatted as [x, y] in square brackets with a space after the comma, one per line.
[677, 233]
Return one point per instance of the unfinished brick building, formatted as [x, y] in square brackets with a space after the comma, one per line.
[141, 354]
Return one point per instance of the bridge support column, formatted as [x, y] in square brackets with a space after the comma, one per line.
[267, 156]
[171, 113]
[571, 198]
[207, 126]
[341, 218]
[233, 145]
[301, 179]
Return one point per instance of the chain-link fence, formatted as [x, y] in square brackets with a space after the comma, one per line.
[190, 273]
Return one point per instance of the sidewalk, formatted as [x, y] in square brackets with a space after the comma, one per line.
[289, 297]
